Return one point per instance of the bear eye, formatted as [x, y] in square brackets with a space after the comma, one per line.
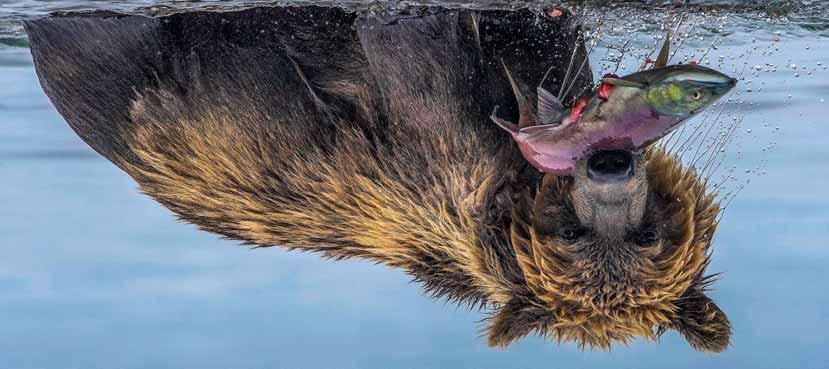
[569, 233]
[647, 236]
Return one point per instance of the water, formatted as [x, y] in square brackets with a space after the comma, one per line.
[94, 274]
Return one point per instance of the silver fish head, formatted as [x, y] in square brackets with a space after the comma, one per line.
[682, 90]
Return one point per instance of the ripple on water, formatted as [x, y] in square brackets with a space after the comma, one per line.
[787, 15]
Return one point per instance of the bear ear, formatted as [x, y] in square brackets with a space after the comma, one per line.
[513, 321]
[702, 322]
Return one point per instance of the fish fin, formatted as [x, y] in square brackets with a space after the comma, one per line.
[621, 82]
[664, 53]
[540, 128]
[550, 109]
[507, 126]
[525, 115]
[569, 68]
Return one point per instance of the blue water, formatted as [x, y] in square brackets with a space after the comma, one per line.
[95, 275]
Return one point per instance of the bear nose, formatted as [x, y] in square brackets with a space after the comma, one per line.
[610, 166]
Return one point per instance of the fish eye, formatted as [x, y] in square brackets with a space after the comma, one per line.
[697, 95]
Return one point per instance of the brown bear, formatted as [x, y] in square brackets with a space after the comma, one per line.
[357, 134]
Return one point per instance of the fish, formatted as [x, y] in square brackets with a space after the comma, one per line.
[622, 113]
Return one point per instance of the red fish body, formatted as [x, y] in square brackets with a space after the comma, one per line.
[627, 113]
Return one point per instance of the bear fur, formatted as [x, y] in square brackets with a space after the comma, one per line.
[354, 134]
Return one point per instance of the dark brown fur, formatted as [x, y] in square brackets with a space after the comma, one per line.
[368, 136]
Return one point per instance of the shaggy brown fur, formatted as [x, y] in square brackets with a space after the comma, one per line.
[669, 278]
[368, 136]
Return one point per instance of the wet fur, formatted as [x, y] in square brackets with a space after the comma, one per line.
[368, 136]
